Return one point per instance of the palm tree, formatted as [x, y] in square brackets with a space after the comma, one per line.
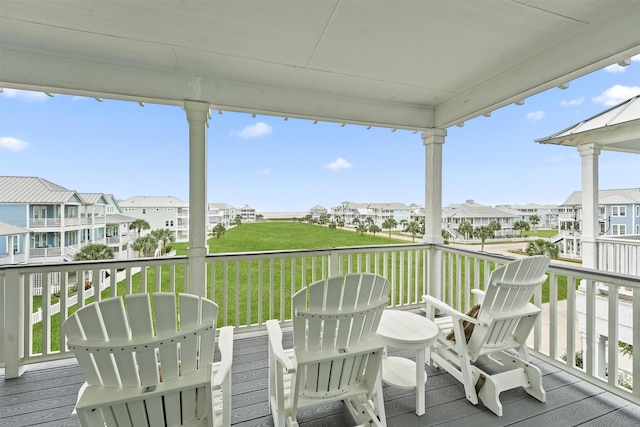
[139, 225]
[466, 229]
[543, 247]
[483, 233]
[404, 223]
[389, 224]
[361, 228]
[374, 229]
[237, 220]
[145, 245]
[535, 220]
[218, 230]
[259, 217]
[164, 235]
[521, 226]
[413, 228]
[93, 252]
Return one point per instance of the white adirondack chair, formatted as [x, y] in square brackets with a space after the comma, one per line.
[504, 321]
[150, 362]
[336, 353]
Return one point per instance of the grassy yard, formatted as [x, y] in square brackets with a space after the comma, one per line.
[257, 237]
[540, 233]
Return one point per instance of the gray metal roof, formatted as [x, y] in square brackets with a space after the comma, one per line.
[119, 219]
[24, 189]
[152, 202]
[607, 197]
[93, 198]
[10, 229]
[474, 210]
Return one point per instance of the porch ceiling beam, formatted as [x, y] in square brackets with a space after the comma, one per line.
[83, 78]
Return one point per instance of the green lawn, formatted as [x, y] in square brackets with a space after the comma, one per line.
[256, 237]
[540, 233]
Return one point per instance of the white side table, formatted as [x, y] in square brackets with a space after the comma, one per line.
[407, 330]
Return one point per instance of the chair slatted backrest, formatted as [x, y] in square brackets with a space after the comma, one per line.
[334, 322]
[140, 342]
[506, 302]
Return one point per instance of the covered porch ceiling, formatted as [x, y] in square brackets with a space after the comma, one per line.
[397, 64]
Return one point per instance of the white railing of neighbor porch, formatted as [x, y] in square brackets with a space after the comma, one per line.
[251, 288]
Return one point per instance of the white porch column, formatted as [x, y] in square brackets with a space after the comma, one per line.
[590, 226]
[197, 116]
[433, 140]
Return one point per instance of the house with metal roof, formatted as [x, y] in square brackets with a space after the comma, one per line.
[478, 216]
[60, 221]
[12, 244]
[160, 212]
[618, 216]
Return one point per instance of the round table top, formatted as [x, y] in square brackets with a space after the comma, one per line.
[406, 330]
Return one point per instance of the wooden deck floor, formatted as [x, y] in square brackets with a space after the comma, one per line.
[45, 395]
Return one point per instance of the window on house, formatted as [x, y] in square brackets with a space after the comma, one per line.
[638, 210]
[144, 211]
[618, 211]
[619, 229]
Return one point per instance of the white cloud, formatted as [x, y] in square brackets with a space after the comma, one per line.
[340, 163]
[253, 131]
[265, 172]
[26, 95]
[615, 68]
[556, 159]
[573, 102]
[617, 94]
[13, 144]
[535, 115]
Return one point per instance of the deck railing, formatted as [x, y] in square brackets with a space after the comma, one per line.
[583, 310]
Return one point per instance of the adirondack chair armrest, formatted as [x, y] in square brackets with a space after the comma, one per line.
[313, 356]
[478, 295]
[225, 345]
[275, 346]
[447, 309]
[527, 310]
[96, 396]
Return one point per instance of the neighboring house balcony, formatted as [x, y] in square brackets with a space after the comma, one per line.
[48, 252]
[54, 222]
[15, 258]
[121, 239]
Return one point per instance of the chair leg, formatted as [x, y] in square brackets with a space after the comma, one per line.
[489, 394]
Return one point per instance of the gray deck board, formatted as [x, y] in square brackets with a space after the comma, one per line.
[45, 394]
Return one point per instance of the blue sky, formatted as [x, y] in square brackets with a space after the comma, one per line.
[276, 165]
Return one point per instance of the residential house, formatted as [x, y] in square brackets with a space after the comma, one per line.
[160, 212]
[547, 214]
[618, 216]
[119, 236]
[317, 211]
[477, 215]
[378, 212]
[12, 244]
[60, 221]
[247, 213]
[222, 213]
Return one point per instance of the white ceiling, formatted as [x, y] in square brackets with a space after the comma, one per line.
[400, 64]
